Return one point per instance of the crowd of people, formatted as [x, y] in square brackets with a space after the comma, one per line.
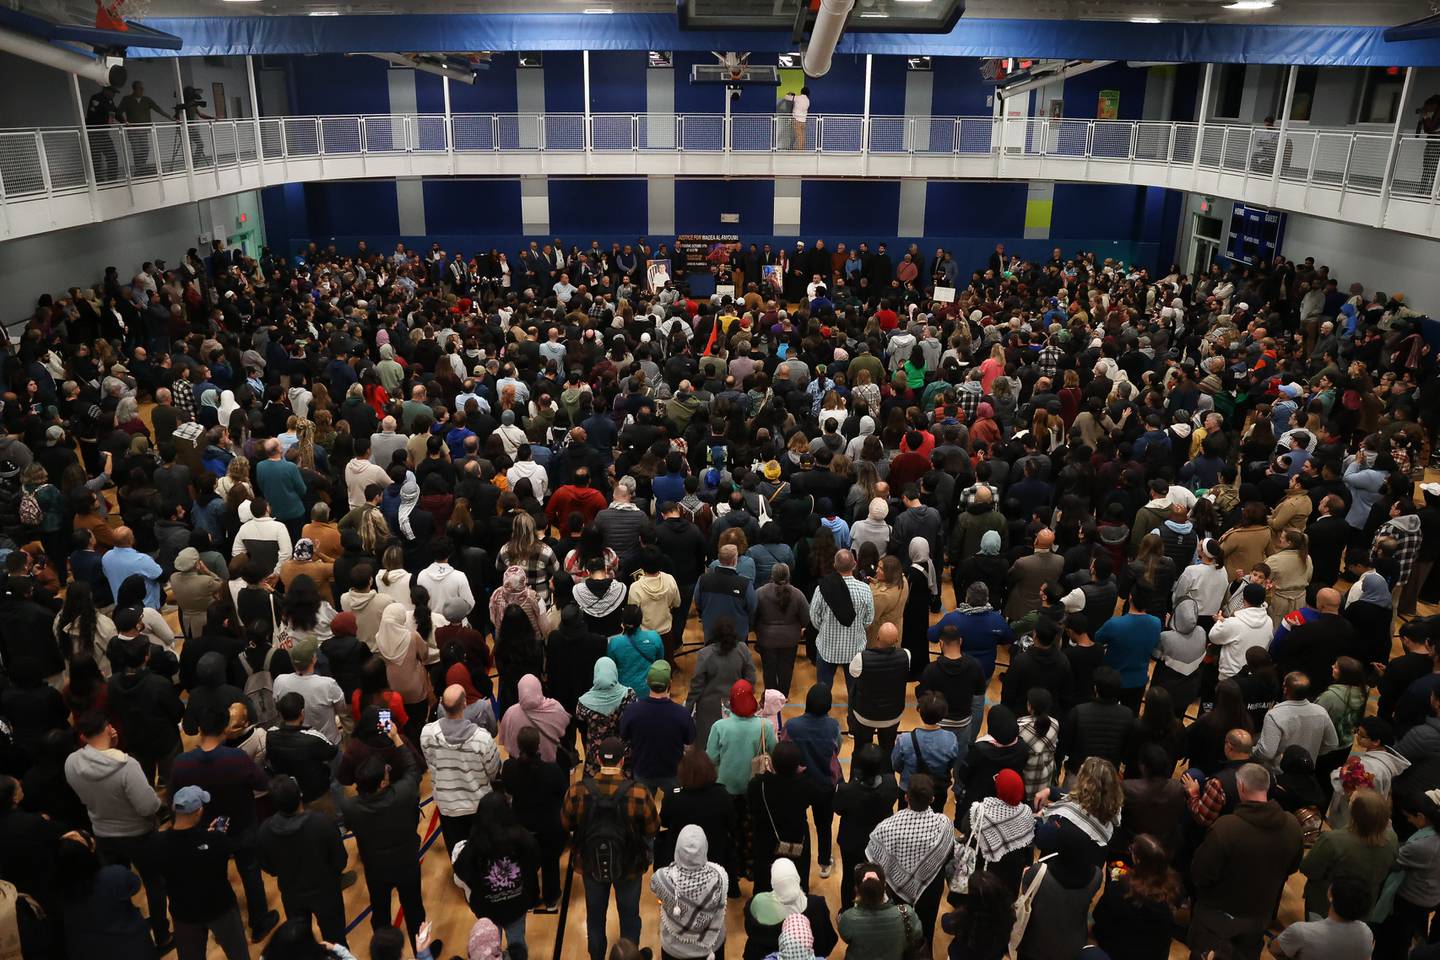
[297, 546]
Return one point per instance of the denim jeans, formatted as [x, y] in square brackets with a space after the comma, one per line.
[597, 910]
[825, 675]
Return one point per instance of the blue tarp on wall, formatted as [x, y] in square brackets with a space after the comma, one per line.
[1108, 40]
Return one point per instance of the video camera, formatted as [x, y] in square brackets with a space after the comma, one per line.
[193, 98]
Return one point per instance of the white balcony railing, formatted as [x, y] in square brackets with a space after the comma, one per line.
[64, 176]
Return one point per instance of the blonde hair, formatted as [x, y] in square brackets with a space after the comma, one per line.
[1097, 789]
[523, 543]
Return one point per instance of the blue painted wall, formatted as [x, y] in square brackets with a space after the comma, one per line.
[959, 91]
[599, 208]
[1082, 93]
[617, 82]
[472, 207]
[492, 92]
[887, 86]
[1137, 224]
[699, 203]
[330, 83]
[564, 83]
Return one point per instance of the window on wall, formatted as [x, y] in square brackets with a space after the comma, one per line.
[1305, 80]
[1380, 95]
[1230, 92]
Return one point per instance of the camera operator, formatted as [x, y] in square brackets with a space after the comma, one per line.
[191, 107]
[101, 112]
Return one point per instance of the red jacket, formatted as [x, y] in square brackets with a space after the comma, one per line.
[587, 501]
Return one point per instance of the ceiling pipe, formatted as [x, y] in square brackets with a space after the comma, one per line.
[29, 48]
[425, 66]
[1025, 86]
[829, 24]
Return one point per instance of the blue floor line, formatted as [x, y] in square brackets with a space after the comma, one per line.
[424, 848]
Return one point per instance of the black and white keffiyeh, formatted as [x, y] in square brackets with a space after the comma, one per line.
[1002, 829]
[911, 847]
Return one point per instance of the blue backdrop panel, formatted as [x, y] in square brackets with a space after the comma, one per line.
[1070, 39]
[959, 91]
[1115, 211]
[584, 209]
[564, 83]
[617, 81]
[853, 207]
[699, 203]
[492, 92]
[1082, 93]
[352, 208]
[475, 207]
[958, 208]
[334, 85]
[887, 86]
[842, 90]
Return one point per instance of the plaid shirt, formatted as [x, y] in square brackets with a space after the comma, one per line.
[835, 642]
[1407, 548]
[182, 395]
[969, 402]
[644, 821]
[539, 567]
[1206, 805]
[1048, 362]
[1039, 771]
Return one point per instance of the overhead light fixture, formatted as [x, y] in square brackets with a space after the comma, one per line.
[1250, 5]
[875, 16]
[598, 10]
[324, 13]
[911, 1]
[240, 1]
[1144, 19]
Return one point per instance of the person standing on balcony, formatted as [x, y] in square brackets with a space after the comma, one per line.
[102, 112]
[135, 109]
[1428, 126]
[799, 114]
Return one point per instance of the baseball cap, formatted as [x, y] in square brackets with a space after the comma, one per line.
[189, 799]
[657, 678]
[302, 654]
[612, 751]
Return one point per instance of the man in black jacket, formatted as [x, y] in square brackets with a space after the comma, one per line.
[961, 679]
[1100, 728]
[303, 850]
[681, 542]
[1043, 665]
[382, 816]
[294, 749]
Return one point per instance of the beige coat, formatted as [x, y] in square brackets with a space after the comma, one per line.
[1028, 577]
[1244, 547]
[1292, 513]
[1289, 578]
[889, 606]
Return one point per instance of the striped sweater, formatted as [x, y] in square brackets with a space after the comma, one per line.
[464, 764]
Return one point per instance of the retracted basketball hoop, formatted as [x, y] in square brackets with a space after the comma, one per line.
[117, 14]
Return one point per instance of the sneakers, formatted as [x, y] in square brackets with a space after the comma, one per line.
[267, 923]
[825, 870]
[548, 907]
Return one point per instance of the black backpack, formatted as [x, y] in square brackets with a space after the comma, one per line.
[608, 848]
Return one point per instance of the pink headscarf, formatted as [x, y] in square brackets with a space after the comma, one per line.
[484, 942]
[534, 709]
[770, 709]
[515, 591]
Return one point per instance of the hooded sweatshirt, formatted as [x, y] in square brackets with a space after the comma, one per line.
[1245, 860]
[120, 800]
[445, 583]
[464, 764]
[692, 898]
[1249, 627]
[367, 607]
[209, 692]
[1182, 647]
[655, 596]
[600, 602]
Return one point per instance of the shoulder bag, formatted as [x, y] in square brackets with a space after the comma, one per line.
[783, 848]
[760, 763]
[1024, 904]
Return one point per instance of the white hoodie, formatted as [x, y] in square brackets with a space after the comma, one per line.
[262, 528]
[1249, 627]
[445, 583]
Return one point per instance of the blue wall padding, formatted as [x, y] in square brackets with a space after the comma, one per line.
[699, 203]
[617, 81]
[1174, 42]
[600, 207]
[472, 207]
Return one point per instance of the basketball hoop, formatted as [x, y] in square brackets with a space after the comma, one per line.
[113, 14]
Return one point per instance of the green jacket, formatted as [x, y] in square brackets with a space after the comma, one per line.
[879, 934]
[1340, 853]
[735, 741]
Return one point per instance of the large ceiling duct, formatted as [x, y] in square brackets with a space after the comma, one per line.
[829, 25]
[101, 70]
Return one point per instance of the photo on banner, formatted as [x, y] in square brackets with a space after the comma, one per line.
[657, 274]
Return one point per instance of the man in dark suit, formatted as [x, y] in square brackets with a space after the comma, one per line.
[221, 259]
[997, 260]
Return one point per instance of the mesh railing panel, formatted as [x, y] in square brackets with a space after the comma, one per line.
[1184, 148]
[301, 137]
[65, 159]
[1367, 163]
[427, 134]
[1152, 142]
[564, 132]
[752, 132]
[977, 135]
[1212, 146]
[657, 131]
[1111, 141]
[473, 131]
[20, 169]
[892, 135]
[841, 134]
[1331, 152]
[272, 138]
[341, 135]
[702, 133]
[612, 132]
[1415, 162]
